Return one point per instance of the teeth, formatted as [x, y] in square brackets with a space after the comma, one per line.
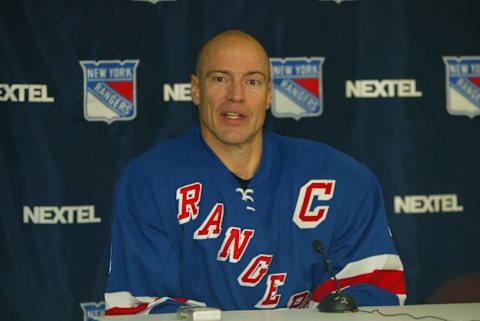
[232, 115]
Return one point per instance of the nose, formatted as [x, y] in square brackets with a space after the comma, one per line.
[236, 92]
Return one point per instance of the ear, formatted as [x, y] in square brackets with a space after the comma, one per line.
[269, 94]
[195, 89]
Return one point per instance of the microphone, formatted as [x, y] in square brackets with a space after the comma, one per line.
[337, 301]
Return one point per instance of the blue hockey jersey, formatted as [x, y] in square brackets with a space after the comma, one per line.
[185, 232]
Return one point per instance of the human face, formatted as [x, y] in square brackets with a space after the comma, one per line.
[233, 91]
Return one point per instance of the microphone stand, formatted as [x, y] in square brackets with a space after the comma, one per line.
[337, 301]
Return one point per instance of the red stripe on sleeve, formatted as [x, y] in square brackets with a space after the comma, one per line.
[182, 300]
[139, 308]
[390, 280]
[123, 311]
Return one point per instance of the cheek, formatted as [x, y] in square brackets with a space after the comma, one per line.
[209, 105]
[212, 96]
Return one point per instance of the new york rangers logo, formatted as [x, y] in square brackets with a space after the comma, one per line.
[297, 87]
[109, 90]
[463, 85]
[92, 310]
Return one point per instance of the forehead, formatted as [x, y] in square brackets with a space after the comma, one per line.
[234, 53]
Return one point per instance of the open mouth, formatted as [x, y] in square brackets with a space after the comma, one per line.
[231, 115]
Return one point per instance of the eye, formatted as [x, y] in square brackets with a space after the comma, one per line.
[219, 78]
[254, 82]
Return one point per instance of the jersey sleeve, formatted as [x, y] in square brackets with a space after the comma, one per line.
[362, 252]
[144, 272]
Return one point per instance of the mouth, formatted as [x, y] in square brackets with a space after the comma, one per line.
[233, 116]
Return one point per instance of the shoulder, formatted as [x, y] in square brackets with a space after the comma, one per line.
[163, 156]
[304, 153]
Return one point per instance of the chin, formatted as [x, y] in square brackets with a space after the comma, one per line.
[231, 136]
[233, 140]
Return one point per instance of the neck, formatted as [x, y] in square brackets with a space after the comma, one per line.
[242, 159]
[243, 163]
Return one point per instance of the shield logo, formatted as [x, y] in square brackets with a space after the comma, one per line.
[92, 310]
[297, 87]
[109, 90]
[463, 85]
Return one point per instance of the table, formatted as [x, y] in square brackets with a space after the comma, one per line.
[451, 312]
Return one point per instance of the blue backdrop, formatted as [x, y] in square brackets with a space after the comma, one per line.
[86, 85]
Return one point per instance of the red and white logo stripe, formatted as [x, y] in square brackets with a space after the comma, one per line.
[123, 302]
[383, 271]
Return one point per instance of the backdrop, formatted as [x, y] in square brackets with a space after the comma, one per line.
[86, 85]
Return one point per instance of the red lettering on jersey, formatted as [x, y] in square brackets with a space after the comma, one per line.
[322, 190]
[298, 300]
[255, 271]
[234, 244]
[188, 197]
[271, 298]
[212, 226]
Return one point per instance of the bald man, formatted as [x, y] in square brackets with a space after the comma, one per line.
[233, 90]
[225, 215]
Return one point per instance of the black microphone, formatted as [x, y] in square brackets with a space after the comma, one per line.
[337, 301]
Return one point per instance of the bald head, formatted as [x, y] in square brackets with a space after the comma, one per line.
[233, 91]
[231, 40]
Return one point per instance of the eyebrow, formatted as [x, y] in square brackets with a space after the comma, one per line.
[249, 73]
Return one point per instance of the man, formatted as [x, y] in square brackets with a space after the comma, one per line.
[225, 215]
